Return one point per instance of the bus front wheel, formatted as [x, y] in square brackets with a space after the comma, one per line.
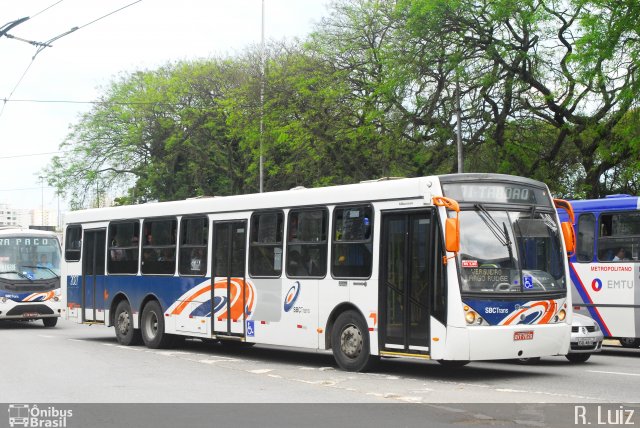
[350, 343]
[125, 333]
[152, 327]
[50, 322]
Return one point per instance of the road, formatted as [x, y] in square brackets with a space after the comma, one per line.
[80, 363]
[84, 364]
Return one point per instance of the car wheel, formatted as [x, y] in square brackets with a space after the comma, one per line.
[350, 343]
[629, 342]
[578, 358]
[125, 333]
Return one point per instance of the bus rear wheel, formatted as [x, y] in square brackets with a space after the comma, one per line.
[350, 343]
[125, 333]
[152, 327]
[630, 342]
[50, 322]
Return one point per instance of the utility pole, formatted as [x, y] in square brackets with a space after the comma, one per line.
[262, 100]
[459, 128]
[42, 201]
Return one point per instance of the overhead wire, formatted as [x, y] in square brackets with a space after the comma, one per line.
[44, 45]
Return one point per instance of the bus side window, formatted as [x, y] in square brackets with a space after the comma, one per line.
[265, 253]
[194, 236]
[586, 237]
[307, 243]
[352, 246]
[73, 243]
[159, 246]
[124, 241]
[619, 236]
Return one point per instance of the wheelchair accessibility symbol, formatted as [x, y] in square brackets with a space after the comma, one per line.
[527, 281]
[250, 329]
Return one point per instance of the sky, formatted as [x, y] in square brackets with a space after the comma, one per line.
[143, 36]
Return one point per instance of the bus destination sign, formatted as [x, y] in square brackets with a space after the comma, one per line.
[495, 193]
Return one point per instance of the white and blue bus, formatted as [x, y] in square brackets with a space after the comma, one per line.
[605, 270]
[453, 268]
[29, 275]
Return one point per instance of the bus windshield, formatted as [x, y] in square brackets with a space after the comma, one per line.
[24, 259]
[510, 252]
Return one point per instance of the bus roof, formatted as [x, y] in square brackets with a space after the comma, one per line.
[370, 191]
[17, 230]
[609, 203]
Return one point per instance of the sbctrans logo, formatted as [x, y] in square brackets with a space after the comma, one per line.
[291, 296]
[596, 284]
[32, 416]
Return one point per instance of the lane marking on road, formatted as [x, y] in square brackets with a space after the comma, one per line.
[260, 371]
[616, 373]
[530, 423]
[46, 336]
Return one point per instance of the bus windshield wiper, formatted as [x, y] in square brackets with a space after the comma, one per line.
[501, 233]
[20, 274]
[43, 267]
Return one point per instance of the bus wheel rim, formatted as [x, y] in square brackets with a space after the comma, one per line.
[123, 322]
[152, 325]
[351, 341]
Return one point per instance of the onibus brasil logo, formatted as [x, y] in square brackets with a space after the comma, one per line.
[26, 415]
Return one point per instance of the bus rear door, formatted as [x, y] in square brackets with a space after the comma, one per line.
[228, 292]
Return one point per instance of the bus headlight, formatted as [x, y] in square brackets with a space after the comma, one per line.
[470, 317]
[562, 315]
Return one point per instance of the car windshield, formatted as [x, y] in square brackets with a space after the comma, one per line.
[510, 252]
[24, 259]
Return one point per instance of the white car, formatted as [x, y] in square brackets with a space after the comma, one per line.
[586, 338]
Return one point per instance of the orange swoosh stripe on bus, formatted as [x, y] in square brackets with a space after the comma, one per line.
[178, 310]
[521, 311]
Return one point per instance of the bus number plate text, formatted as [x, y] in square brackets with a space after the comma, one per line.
[523, 335]
[30, 315]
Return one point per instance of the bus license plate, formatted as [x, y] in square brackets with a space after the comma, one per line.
[30, 315]
[523, 335]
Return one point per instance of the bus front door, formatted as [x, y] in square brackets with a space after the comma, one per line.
[228, 291]
[405, 281]
[93, 264]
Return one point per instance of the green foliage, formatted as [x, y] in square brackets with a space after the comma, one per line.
[547, 89]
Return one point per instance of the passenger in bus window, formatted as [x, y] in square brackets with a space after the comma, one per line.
[117, 254]
[620, 255]
[196, 259]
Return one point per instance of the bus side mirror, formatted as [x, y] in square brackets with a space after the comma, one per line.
[569, 235]
[452, 235]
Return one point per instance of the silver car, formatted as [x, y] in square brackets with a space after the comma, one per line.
[586, 338]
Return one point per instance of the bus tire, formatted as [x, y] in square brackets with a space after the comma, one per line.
[350, 343]
[123, 321]
[578, 358]
[50, 322]
[629, 342]
[152, 327]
